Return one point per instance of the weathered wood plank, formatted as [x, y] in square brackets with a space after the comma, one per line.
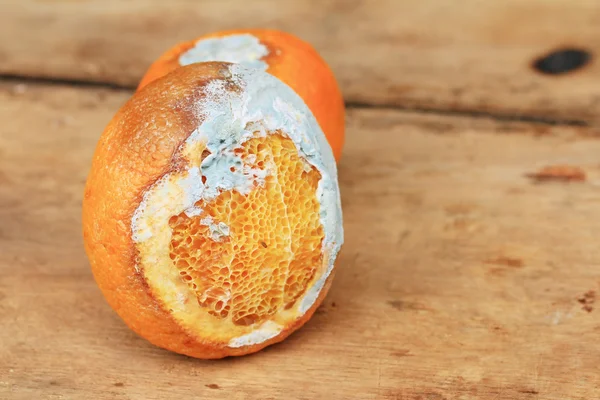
[461, 278]
[414, 53]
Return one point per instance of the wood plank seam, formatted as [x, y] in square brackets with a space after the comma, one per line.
[501, 117]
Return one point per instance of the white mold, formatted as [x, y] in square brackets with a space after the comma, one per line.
[266, 331]
[242, 49]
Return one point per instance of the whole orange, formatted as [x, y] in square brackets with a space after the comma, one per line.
[211, 214]
[281, 54]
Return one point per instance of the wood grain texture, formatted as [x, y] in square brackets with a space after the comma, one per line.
[464, 276]
[412, 53]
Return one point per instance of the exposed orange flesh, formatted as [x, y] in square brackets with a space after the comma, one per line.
[273, 246]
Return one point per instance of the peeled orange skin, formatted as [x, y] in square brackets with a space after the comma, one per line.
[293, 61]
[139, 146]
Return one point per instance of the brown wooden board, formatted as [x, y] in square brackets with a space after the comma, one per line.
[470, 269]
[435, 54]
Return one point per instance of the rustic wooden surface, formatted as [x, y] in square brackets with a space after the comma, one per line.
[470, 269]
[434, 54]
[469, 272]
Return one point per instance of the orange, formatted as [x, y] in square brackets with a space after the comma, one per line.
[211, 213]
[285, 56]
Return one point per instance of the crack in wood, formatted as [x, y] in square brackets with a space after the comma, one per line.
[473, 114]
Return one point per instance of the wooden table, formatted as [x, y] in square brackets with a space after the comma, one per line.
[470, 192]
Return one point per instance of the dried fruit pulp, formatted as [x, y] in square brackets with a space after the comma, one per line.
[273, 246]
